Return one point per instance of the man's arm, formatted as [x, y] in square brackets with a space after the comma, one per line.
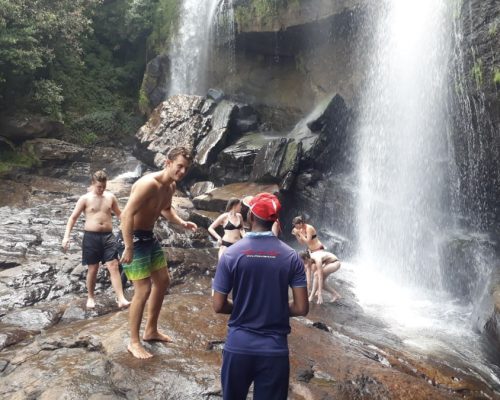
[116, 208]
[171, 216]
[140, 194]
[299, 306]
[221, 304]
[79, 208]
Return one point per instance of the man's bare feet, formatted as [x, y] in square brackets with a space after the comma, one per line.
[90, 303]
[138, 351]
[157, 337]
[123, 303]
[320, 299]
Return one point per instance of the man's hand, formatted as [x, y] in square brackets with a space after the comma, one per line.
[65, 244]
[127, 256]
[190, 225]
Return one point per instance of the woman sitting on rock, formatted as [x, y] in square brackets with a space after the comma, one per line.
[306, 234]
[232, 223]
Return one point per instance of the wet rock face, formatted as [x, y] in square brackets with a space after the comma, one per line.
[179, 121]
[54, 151]
[276, 162]
[477, 111]
[154, 84]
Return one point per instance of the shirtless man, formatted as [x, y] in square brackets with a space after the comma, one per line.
[306, 234]
[143, 259]
[99, 243]
[321, 264]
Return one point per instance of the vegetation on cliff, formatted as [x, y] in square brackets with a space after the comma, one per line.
[80, 61]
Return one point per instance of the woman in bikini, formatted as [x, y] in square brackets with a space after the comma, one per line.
[232, 223]
[306, 234]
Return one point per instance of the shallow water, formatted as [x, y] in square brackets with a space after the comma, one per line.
[428, 323]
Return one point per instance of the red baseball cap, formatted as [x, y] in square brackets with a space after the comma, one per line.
[266, 206]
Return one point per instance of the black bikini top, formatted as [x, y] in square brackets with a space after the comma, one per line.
[230, 227]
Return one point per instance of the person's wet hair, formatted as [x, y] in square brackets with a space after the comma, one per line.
[305, 255]
[180, 151]
[298, 220]
[232, 202]
[100, 176]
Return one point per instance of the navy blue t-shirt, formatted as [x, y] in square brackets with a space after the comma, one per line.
[259, 269]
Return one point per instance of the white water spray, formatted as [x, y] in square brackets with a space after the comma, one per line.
[403, 162]
[202, 24]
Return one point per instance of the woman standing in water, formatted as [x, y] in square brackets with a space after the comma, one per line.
[232, 223]
[306, 234]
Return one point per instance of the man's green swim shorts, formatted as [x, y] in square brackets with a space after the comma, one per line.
[148, 256]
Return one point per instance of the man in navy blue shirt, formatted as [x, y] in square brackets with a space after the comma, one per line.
[259, 269]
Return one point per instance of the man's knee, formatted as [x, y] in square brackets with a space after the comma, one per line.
[161, 277]
[112, 265]
[142, 289]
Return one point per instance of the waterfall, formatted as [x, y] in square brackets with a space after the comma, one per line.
[202, 26]
[418, 265]
[404, 158]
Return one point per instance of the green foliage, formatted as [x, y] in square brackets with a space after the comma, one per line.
[262, 10]
[493, 29]
[10, 157]
[33, 34]
[477, 73]
[144, 105]
[496, 76]
[103, 125]
[165, 21]
[70, 58]
[49, 97]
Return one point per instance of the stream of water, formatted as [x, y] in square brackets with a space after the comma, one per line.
[202, 25]
[407, 181]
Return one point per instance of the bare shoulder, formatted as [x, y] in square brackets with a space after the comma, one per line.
[109, 195]
[146, 183]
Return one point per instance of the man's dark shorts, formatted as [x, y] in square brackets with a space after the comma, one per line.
[98, 247]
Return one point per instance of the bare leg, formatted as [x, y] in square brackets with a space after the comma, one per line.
[142, 290]
[91, 279]
[330, 269]
[161, 281]
[315, 285]
[308, 276]
[116, 282]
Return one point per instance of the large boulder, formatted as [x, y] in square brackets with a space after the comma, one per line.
[178, 121]
[215, 139]
[277, 162]
[25, 127]
[235, 162]
[325, 134]
[54, 151]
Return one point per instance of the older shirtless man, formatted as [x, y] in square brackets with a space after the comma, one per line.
[99, 243]
[143, 259]
[321, 264]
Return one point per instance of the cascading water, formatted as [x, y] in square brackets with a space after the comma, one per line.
[403, 154]
[407, 178]
[202, 24]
